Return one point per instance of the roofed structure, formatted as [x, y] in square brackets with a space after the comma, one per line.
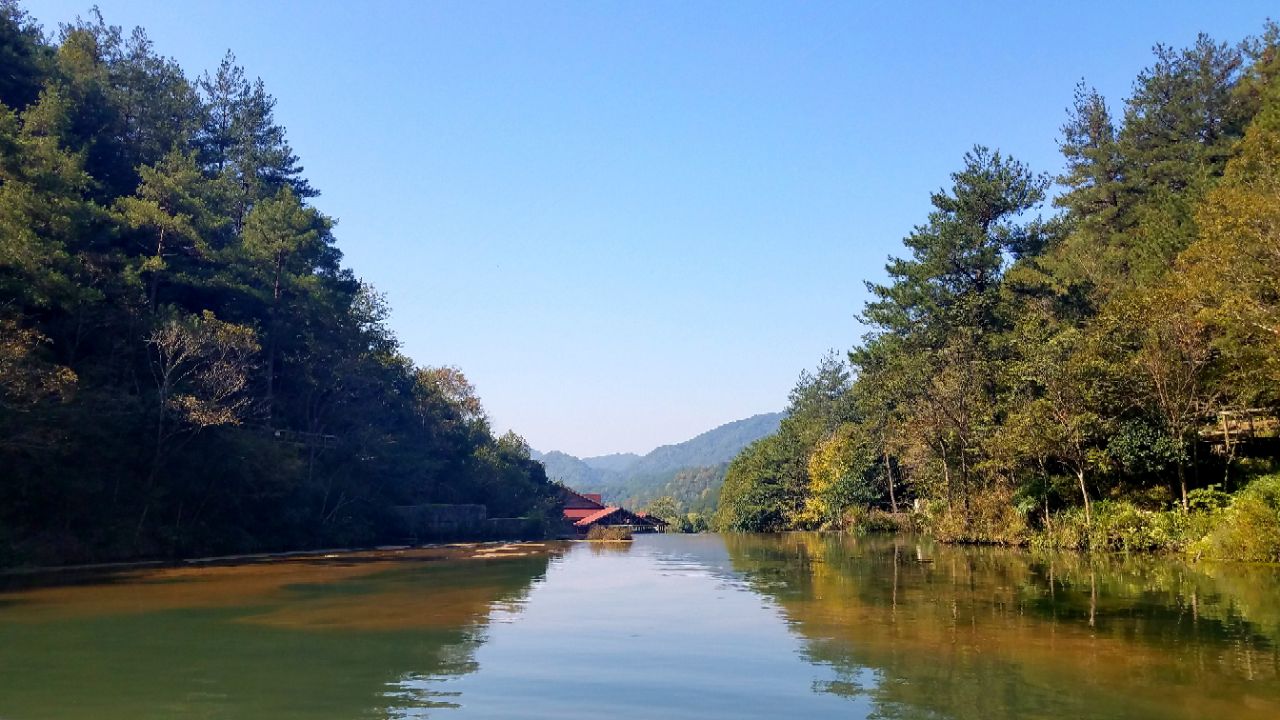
[583, 510]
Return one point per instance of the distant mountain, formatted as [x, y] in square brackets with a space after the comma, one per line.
[627, 477]
[695, 489]
[568, 469]
[617, 462]
[710, 448]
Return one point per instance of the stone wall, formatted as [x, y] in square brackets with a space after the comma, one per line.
[437, 521]
[423, 523]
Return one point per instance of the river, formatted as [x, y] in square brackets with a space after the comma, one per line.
[670, 626]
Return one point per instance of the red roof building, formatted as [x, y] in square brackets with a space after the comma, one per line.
[583, 510]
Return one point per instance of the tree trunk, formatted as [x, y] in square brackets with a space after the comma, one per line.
[1182, 483]
[888, 473]
[157, 459]
[1084, 492]
[271, 341]
[1229, 449]
[1044, 476]
[154, 288]
[946, 476]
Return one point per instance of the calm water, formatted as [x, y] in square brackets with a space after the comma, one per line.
[671, 627]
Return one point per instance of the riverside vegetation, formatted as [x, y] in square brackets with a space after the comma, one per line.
[185, 365]
[1103, 378]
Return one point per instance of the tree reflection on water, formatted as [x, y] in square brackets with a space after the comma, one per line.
[931, 630]
[320, 639]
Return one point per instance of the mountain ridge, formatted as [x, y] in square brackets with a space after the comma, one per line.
[621, 475]
[612, 462]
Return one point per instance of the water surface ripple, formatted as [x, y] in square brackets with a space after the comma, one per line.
[750, 626]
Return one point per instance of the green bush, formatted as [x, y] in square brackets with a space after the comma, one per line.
[990, 517]
[1121, 526]
[1208, 499]
[1063, 531]
[1248, 529]
[1243, 526]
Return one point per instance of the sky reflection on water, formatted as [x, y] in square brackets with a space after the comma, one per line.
[672, 626]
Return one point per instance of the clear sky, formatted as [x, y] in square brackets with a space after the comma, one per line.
[631, 222]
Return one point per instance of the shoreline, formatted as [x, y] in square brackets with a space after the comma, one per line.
[471, 550]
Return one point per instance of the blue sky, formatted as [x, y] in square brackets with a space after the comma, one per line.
[631, 222]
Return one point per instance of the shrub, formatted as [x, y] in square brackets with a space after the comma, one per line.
[1066, 530]
[881, 521]
[989, 518]
[1208, 499]
[607, 533]
[1121, 526]
[1249, 529]
[861, 519]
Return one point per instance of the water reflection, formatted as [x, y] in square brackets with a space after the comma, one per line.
[609, 548]
[958, 632]
[329, 639]
[671, 626]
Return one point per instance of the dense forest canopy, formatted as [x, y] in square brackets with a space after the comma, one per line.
[1086, 360]
[185, 365]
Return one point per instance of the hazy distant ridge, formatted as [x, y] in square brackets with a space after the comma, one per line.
[630, 471]
[710, 448]
[617, 462]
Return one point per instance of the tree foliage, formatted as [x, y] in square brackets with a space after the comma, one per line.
[1018, 367]
[186, 365]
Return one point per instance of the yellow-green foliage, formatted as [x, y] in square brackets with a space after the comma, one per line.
[990, 517]
[863, 520]
[602, 533]
[1234, 267]
[835, 470]
[1249, 529]
[1245, 526]
[1121, 526]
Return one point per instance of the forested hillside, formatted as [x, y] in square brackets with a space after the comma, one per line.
[570, 470]
[712, 447]
[687, 501]
[625, 477]
[1090, 359]
[185, 364]
[616, 462]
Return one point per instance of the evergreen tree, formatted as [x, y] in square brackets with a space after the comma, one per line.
[186, 365]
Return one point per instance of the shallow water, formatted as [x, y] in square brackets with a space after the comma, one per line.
[671, 626]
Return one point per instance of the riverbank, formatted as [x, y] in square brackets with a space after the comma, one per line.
[1241, 526]
[25, 577]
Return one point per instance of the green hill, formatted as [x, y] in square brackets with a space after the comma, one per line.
[692, 469]
[617, 462]
[710, 448]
